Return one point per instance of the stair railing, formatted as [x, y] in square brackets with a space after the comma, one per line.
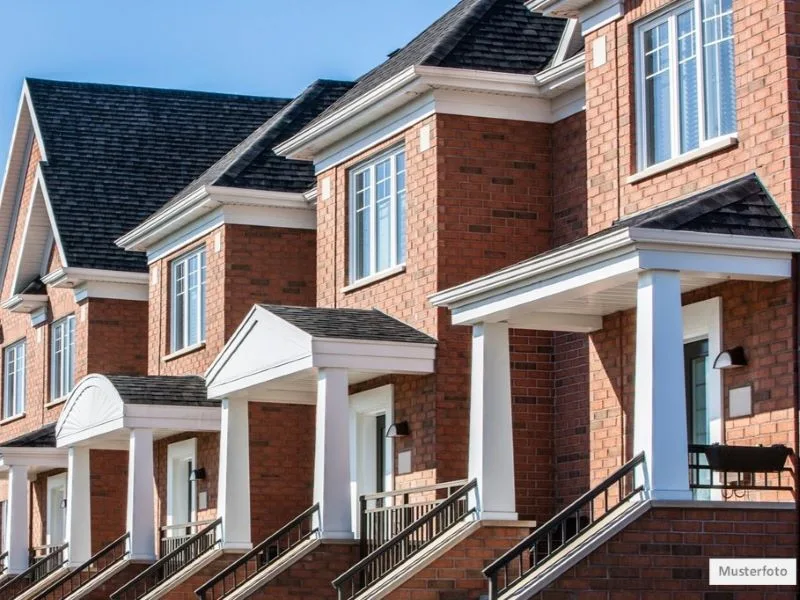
[265, 554]
[406, 544]
[556, 533]
[106, 558]
[41, 568]
[168, 565]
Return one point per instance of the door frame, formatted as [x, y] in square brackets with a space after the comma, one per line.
[369, 403]
[183, 451]
[55, 482]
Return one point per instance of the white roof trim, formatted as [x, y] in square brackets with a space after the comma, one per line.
[94, 409]
[48, 458]
[567, 36]
[408, 85]
[203, 201]
[24, 303]
[614, 254]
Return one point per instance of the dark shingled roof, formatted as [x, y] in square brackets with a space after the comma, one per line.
[44, 437]
[169, 390]
[116, 154]
[488, 35]
[349, 323]
[252, 164]
[740, 207]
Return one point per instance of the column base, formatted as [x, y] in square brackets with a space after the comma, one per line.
[668, 495]
[141, 558]
[336, 535]
[236, 546]
[498, 516]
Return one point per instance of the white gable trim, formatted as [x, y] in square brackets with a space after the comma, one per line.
[100, 283]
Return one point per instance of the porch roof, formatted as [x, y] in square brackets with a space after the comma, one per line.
[101, 410]
[35, 449]
[728, 232]
[276, 352]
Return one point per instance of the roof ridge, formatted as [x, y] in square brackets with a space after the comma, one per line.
[456, 32]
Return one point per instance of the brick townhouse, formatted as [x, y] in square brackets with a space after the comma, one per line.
[513, 314]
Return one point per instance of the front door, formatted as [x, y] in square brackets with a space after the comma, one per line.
[56, 509]
[181, 503]
[698, 422]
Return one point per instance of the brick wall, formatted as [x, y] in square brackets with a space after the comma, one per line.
[109, 495]
[665, 554]
[117, 336]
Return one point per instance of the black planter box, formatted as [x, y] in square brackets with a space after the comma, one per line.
[747, 459]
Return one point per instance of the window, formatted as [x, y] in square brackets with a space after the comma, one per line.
[188, 281]
[62, 358]
[14, 384]
[378, 215]
[676, 113]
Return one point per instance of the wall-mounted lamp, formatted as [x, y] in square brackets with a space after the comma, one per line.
[731, 359]
[198, 474]
[399, 429]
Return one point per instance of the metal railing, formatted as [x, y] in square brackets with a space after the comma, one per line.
[406, 544]
[106, 558]
[169, 564]
[3, 565]
[39, 569]
[556, 533]
[244, 569]
[173, 536]
[386, 514]
[702, 476]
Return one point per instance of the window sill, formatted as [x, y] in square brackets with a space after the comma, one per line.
[56, 402]
[719, 144]
[8, 420]
[385, 274]
[183, 351]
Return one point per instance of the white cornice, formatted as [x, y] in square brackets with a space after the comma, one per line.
[200, 203]
[33, 457]
[100, 283]
[24, 303]
[416, 81]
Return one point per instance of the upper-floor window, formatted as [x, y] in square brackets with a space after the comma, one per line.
[188, 284]
[378, 215]
[14, 381]
[685, 79]
[62, 357]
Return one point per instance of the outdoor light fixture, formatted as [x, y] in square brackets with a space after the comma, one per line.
[198, 474]
[399, 429]
[731, 359]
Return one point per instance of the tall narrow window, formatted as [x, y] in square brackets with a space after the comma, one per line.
[378, 215]
[685, 78]
[188, 283]
[14, 380]
[62, 358]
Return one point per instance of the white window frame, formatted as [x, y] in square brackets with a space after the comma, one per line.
[395, 260]
[14, 406]
[669, 15]
[179, 340]
[178, 455]
[61, 383]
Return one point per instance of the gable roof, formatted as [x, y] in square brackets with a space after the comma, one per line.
[252, 164]
[116, 153]
[486, 35]
[349, 323]
[739, 207]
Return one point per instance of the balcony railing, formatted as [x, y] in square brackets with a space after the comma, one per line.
[406, 544]
[172, 536]
[386, 514]
[109, 556]
[265, 554]
[548, 539]
[738, 469]
[168, 565]
[40, 568]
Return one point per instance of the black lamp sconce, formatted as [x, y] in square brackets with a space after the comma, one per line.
[198, 474]
[399, 429]
[733, 358]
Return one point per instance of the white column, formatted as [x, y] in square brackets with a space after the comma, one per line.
[659, 416]
[332, 455]
[16, 532]
[234, 476]
[79, 512]
[140, 515]
[491, 443]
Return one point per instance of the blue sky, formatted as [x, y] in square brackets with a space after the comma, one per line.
[263, 47]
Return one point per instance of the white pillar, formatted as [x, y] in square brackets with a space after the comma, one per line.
[16, 532]
[491, 443]
[140, 514]
[79, 512]
[659, 416]
[332, 455]
[234, 479]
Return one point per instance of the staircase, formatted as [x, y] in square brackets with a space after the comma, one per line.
[39, 570]
[159, 577]
[98, 568]
[550, 541]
